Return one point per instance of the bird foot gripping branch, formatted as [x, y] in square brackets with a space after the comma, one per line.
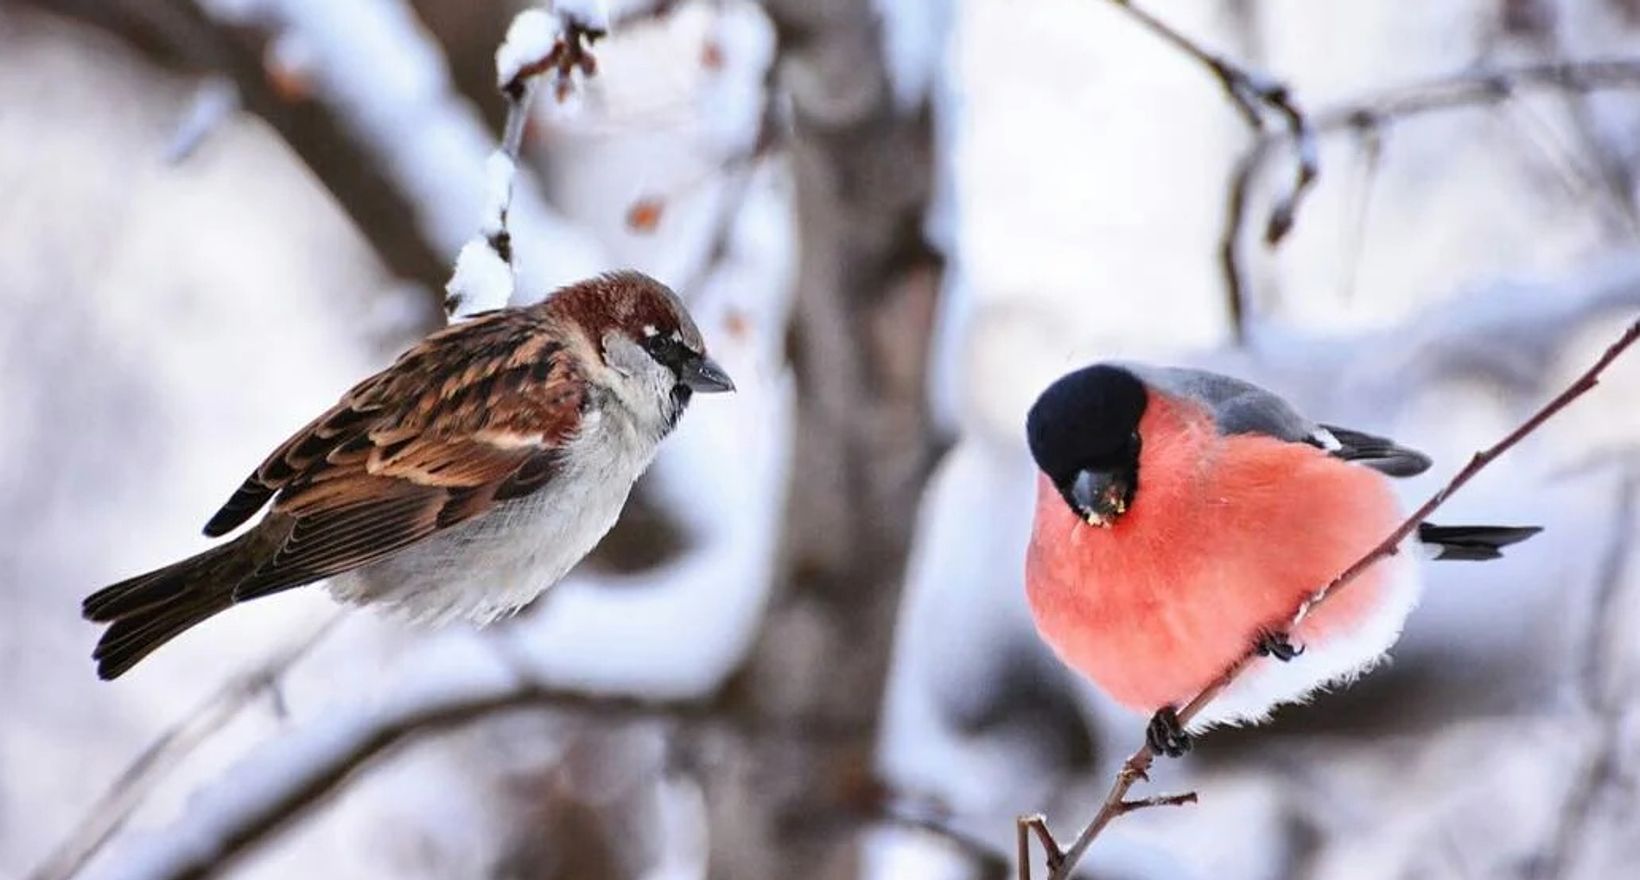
[1165, 735]
[1274, 643]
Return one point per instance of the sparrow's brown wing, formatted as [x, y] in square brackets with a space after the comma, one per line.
[475, 415]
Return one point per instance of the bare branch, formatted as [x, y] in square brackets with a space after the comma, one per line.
[1370, 116]
[1138, 764]
[1264, 103]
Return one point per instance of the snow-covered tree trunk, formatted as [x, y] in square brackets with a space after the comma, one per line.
[866, 290]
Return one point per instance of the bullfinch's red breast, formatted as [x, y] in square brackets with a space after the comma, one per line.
[1181, 518]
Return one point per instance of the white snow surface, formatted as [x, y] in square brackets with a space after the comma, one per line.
[529, 39]
[481, 281]
[914, 42]
[499, 173]
[730, 106]
[590, 14]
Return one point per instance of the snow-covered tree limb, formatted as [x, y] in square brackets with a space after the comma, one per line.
[275, 784]
[176, 33]
[538, 43]
[381, 74]
[166, 752]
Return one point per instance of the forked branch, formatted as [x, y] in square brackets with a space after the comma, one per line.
[538, 43]
[1264, 103]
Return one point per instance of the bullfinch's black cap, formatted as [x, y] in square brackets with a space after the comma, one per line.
[1086, 419]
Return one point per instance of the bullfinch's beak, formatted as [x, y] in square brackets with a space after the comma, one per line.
[1100, 496]
[704, 375]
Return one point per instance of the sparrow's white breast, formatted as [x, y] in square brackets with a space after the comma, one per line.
[491, 566]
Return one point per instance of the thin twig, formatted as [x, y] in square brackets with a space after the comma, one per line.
[155, 763]
[473, 282]
[1371, 153]
[1264, 103]
[1138, 764]
[1370, 116]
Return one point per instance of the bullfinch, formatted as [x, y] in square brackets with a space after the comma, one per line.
[1183, 516]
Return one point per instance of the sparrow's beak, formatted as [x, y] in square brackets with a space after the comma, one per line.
[1100, 496]
[704, 375]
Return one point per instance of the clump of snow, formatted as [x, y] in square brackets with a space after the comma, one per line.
[530, 39]
[498, 177]
[592, 15]
[482, 280]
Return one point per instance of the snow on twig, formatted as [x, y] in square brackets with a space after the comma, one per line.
[383, 76]
[538, 42]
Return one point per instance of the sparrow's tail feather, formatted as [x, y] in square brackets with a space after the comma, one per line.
[149, 610]
[1472, 542]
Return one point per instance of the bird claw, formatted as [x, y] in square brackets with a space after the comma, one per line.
[1272, 643]
[1166, 735]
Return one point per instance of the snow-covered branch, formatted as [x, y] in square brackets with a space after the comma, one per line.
[165, 753]
[538, 43]
[453, 683]
[384, 78]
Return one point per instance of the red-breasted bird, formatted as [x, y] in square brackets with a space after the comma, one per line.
[460, 482]
[1183, 516]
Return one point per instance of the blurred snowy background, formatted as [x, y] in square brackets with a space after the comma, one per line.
[805, 652]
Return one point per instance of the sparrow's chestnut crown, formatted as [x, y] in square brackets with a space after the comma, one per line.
[650, 314]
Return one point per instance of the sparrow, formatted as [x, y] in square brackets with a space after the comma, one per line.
[460, 482]
[1182, 517]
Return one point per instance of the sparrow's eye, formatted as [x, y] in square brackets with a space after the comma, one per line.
[663, 348]
[669, 351]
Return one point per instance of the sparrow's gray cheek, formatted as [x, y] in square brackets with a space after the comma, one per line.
[704, 375]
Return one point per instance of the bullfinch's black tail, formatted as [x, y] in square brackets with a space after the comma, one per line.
[149, 610]
[1472, 542]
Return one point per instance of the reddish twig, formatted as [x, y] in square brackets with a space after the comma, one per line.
[1138, 764]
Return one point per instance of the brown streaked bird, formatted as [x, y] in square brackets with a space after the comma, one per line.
[460, 482]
